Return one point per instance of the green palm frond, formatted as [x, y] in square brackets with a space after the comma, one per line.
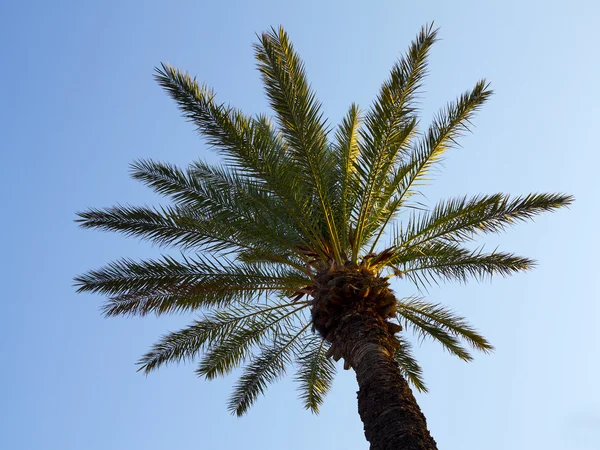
[182, 227]
[300, 120]
[217, 210]
[410, 368]
[167, 285]
[315, 373]
[389, 127]
[216, 328]
[242, 203]
[462, 219]
[415, 311]
[265, 368]
[346, 150]
[163, 226]
[435, 261]
[249, 145]
[227, 129]
[190, 228]
[232, 351]
[219, 192]
[426, 327]
[229, 352]
[448, 125]
[170, 180]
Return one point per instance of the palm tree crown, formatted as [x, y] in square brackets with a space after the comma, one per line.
[277, 239]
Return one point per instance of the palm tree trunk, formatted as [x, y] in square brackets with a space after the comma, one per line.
[391, 416]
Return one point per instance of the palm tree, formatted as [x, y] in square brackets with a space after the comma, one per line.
[281, 252]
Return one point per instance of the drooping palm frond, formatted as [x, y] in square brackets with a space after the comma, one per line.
[444, 318]
[265, 368]
[408, 364]
[435, 261]
[214, 327]
[290, 202]
[217, 328]
[227, 353]
[434, 321]
[315, 373]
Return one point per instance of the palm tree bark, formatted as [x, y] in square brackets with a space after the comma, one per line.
[391, 416]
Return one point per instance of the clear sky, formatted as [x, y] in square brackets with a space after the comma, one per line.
[78, 103]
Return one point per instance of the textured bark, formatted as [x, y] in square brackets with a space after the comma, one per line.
[350, 309]
[391, 416]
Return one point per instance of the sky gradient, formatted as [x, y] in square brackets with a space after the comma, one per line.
[78, 104]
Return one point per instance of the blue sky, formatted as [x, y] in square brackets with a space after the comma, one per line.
[78, 104]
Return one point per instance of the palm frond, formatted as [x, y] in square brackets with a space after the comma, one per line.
[248, 208]
[448, 125]
[347, 149]
[461, 219]
[264, 369]
[167, 285]
[176, 226]
[223, 213]
[315, 373]
[249, 145]
[170, 180]
[300, 120]
[444, 318]
[427, 328]
[216, 328]
[433, 261]
[222, 193]
[389, 127]
[226, 128]
[229, 352]
[409, 367]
